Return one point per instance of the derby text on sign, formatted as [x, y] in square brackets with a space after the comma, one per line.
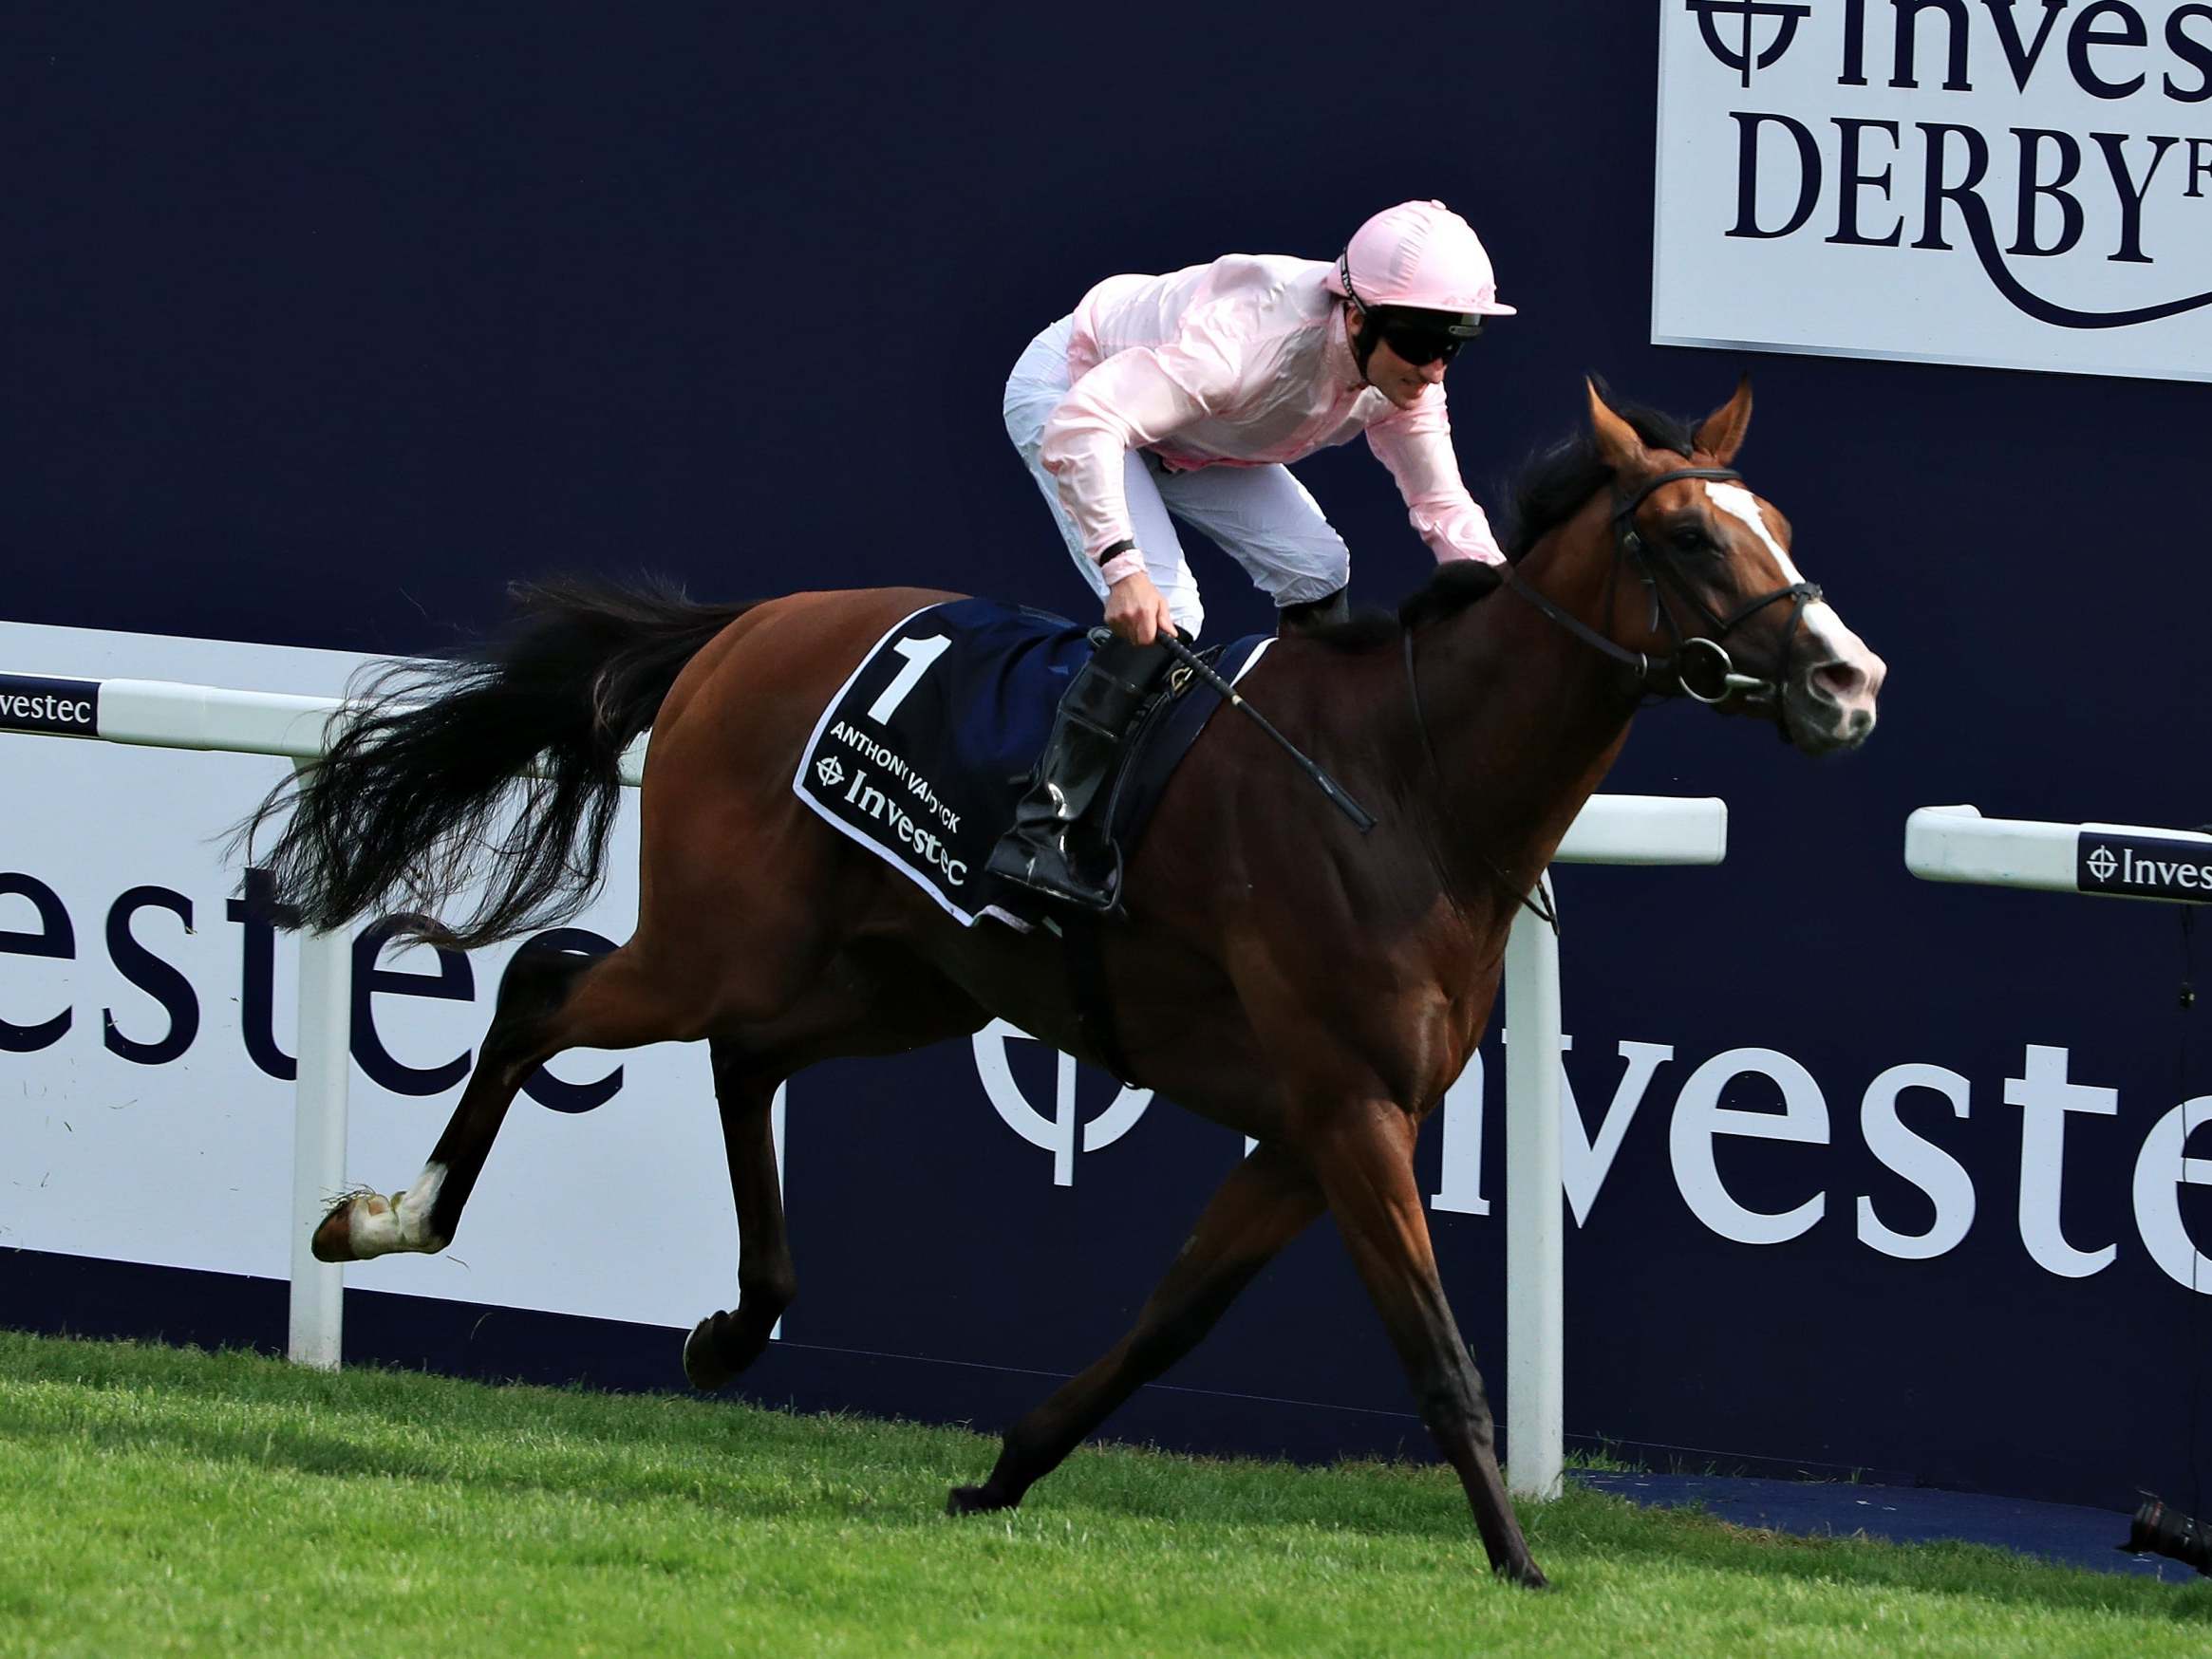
[2014, 183]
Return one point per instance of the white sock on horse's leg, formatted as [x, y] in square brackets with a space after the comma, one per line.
[379, 1228]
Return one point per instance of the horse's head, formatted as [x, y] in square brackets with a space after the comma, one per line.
[1704, 587]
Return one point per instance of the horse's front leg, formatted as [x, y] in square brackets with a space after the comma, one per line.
[1364, 1155]
[724, 1343]
[1267, 1202]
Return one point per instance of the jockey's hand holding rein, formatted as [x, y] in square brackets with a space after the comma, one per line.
[1137, 610]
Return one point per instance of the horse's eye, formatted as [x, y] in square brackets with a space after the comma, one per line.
[1692, 540]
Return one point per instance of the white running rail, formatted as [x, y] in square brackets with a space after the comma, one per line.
[2106, 860]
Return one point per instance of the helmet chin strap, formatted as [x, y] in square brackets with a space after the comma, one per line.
[1362, 341]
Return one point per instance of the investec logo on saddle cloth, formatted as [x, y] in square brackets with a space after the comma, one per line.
[923, 752]
[2146, 868]
[2021, 184]
[34, 703]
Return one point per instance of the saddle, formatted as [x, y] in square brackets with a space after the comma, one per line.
[927, 747]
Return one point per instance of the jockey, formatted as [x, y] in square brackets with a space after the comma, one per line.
[1183, 397]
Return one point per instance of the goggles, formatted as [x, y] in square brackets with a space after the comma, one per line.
[1420, 346]
[1422, 336]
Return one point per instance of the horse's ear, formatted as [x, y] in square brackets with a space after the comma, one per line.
[1723, 434]
[1618, 444]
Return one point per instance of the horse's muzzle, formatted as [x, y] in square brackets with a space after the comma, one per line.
[1829, 706]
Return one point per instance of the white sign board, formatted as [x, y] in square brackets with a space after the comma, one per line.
[2014, 183]
[141, 1010]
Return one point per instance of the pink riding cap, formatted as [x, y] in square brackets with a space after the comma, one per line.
[1419, 253]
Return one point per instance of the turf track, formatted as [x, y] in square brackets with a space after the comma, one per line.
[158, 1500]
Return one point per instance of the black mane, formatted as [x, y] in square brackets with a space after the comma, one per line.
[1553, 483]
[1550, 489]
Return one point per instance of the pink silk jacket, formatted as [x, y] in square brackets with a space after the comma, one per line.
[1242, 362]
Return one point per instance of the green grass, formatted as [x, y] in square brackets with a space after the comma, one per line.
[158, 1500]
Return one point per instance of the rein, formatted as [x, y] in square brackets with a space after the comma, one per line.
[1664, 677]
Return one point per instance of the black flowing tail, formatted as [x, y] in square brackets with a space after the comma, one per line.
[495, 773]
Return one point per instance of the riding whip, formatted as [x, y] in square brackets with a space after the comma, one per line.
[1360, 816]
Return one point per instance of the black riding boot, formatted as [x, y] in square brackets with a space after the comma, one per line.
[1314, 613]
[1058, 846]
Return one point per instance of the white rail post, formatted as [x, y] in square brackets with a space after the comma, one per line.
[1535, 1211]
[318, 1147]
[1621, 829]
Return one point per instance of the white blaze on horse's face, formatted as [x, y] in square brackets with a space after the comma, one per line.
[1834, 677]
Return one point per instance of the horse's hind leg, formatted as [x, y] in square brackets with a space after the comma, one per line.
[1367, 1166]
[870, 998]
[548, 1001]
[1267, 1202]
[724, 1343]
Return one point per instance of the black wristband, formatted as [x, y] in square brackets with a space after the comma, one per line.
[1125, 545]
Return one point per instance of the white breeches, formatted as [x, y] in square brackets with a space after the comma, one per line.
[1260, 516]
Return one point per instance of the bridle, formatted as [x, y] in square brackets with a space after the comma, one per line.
[1699, 667]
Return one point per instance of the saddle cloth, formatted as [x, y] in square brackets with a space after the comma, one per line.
[925, 750]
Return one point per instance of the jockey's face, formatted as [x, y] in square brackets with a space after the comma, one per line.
[1402, 381]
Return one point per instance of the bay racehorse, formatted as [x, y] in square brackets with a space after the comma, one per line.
[1277, 971]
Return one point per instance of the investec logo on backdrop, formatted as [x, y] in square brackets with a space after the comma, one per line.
[2023, 182]
[1065, 1132]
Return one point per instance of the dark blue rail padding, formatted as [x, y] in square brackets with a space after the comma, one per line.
[86, 1296]
[2066, 1533]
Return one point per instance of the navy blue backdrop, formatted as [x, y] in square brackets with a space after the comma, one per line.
[323, 322]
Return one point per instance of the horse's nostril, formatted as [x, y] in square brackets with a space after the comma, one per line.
[1841, 681]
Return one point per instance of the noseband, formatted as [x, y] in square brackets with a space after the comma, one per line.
[1699, 666]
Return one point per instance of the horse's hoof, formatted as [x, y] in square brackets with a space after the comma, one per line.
[333, 1234]
[719, 1348]
[1526, 1574]
[976, 1500]
[702, 1368]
